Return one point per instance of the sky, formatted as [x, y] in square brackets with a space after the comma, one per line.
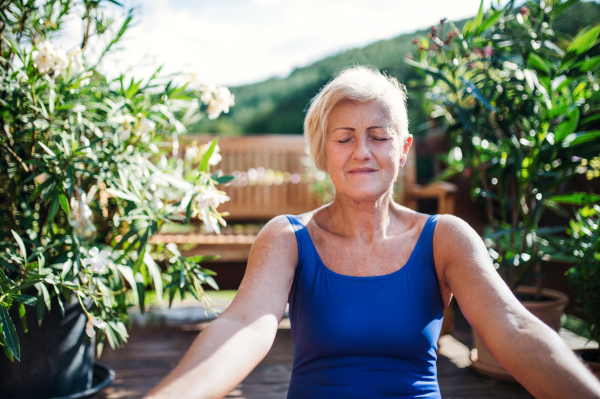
[233, 42]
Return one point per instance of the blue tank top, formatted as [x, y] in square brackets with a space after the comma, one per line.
[365, 337]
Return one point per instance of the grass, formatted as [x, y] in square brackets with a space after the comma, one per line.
[219, 297]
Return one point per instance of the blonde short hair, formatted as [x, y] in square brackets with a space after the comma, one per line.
[359, 84]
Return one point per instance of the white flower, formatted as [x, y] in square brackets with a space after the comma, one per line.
[147, 126]
[191, 152]
[208, 91]
[76, 58]
[222, 100]
[175, 251]
[78, 108]
[85, 78]
[210, 221]
[97, 260]
[43, 56]
[215, 158]
[61, 62]
[89, 327]
[210, 196]
[128, 121]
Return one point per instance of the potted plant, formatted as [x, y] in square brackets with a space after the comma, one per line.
[84, 187]
[584, 275]
[520, 101]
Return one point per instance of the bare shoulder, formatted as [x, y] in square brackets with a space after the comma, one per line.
[277, 239]
[269, 274]
[454, 238]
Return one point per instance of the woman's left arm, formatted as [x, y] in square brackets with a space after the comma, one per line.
[530, 350]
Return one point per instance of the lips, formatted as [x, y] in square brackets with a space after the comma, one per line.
[361, 171]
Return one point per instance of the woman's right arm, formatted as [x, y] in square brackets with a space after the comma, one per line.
[228, 349]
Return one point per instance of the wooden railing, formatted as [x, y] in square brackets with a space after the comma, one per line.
[272, 179]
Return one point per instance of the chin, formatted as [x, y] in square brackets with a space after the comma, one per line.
[364, 193]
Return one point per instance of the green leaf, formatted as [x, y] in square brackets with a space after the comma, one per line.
[585, 137]
[479, 18]
[141, 290]
[202, 258]
[48, 150]
[567, 126]
[223, 179]
[40, 308]
[584, 40]
[489, 21]
[125, 195]
[211, 281]
[24, 299]
[22, 315]
[557, 111]
[472, 89]
[10, 333]
[64, 203]
[21, 244]
[590, 118]
[468, 28]
[206, 157]
[576, 198]
[559, 9]
[143, 242]
[155, 274]
[33, 280]
[53, 207]
[127, 273]
[60, 302]
[588, 65]
[537, 63]
[434, 72]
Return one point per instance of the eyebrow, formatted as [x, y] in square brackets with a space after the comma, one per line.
[352, 129]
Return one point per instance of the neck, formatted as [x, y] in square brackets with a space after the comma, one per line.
[367, 221]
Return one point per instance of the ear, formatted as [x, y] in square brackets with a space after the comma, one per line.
[405, 148]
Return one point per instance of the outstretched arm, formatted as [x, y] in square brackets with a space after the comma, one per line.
[526, 347]
[228, 349]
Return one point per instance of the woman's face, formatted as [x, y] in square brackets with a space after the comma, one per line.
[363, 150]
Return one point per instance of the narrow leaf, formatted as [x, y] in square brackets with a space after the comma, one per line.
[24, 299]
[155, 274]
[10, 333]
[584, 40]
[567, 126]
[64, 203]
[48, 150]
[206, 157]
[21, 244]
[576, 198]
[124, 195]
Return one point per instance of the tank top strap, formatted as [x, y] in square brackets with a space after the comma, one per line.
[427, 249]
[305, 248]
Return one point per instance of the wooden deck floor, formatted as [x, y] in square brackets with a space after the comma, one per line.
[155, 348]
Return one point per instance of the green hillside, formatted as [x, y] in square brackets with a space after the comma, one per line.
[277, 105]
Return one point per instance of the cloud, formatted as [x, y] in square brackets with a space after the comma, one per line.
[241, 41]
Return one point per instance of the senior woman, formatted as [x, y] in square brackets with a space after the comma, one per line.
[368, 280]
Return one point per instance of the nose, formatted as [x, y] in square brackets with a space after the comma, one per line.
[361, 148]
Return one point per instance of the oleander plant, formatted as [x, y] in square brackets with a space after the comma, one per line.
[584, 275]
[85, 179]
[521, 102]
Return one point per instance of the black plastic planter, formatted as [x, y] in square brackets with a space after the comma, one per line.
[56, 357]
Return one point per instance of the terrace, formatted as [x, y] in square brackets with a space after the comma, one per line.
[160, 338]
